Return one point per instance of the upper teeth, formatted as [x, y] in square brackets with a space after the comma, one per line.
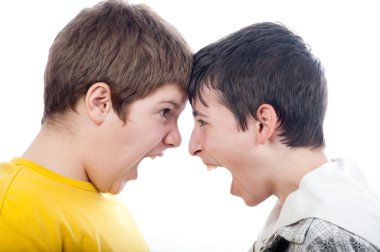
[210, 167]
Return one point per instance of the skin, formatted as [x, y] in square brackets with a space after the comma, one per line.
[259, 163]
[101, 148]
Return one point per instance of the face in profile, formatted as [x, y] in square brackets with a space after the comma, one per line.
[151, 127]
[217, 139]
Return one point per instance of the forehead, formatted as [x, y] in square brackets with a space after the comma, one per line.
[209, 103]
[170, 92]
[208, 97]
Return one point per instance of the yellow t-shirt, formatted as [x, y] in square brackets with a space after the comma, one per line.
[43, 211]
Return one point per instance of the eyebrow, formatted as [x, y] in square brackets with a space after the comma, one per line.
[175, 104]
[197, 113]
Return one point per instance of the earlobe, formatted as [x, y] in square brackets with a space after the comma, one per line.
[267, 123]
[98, 101]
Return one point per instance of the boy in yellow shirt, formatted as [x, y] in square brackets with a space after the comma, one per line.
[115, 85]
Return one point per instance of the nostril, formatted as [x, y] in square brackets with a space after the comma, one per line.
[196, 152]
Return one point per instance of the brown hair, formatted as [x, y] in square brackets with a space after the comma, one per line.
[129, 47]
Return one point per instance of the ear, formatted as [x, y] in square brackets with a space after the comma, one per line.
[266, 123]
[98, 102]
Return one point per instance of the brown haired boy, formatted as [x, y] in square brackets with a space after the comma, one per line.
[115, 85]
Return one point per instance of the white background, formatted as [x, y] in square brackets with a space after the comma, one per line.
[178, 205]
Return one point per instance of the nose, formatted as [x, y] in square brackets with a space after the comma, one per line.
[173, 138]
[195, 146]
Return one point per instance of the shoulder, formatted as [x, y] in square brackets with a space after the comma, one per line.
[8, 172]
[314, 234]
[15, 236]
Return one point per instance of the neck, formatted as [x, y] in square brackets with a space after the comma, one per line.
[57, 149]
[294, 165]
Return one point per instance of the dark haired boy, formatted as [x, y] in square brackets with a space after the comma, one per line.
[259, 98]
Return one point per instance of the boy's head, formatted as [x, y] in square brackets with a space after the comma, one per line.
[115, 81]
[266, 63]
[128, 47]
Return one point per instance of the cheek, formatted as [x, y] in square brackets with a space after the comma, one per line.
[152, 140]
[222, 147]
[155, 134]
[214, 140]
[147, 133]
[212, 147]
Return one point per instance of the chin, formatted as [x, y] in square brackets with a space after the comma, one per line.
[248, 201]
[251, 202]
[114, 192]
[116, 189]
